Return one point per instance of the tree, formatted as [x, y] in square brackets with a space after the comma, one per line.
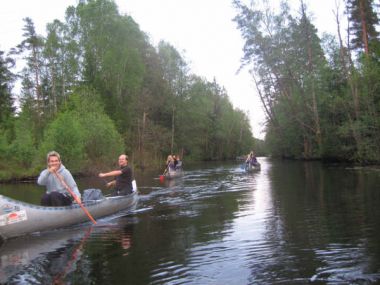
[112, 57]
[101, 140]
[175, 71]
[286, 61]
[31, 48]
[6, 101]
[23, 147]
[62, 56]
[363, 21]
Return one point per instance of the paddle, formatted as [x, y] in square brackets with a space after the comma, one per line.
[75, 197]
[162, 177]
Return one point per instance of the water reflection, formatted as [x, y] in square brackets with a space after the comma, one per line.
[36, 259]
[324, 237]
[62, 256]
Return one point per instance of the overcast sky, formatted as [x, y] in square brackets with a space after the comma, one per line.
[202, 30]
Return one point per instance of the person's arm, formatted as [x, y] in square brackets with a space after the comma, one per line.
[42, 179]
[68, 178]
[111, 184]
[111, 173]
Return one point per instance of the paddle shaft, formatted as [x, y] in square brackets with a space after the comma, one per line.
[75, 197]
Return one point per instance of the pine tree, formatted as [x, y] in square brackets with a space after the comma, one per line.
[6, 100]
[363, 20]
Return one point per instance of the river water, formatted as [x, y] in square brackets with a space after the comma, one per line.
[289, 223]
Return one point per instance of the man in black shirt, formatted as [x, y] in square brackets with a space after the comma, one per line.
[123, 181]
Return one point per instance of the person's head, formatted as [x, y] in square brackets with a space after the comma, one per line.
[53, 159]
[170, 157]
[123, 160]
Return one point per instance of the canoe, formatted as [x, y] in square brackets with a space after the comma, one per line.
[19, 218]
[252, 167]
[174, 173]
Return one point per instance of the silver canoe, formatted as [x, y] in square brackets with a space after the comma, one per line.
[19, 218]
[252, 167]
[174, 173]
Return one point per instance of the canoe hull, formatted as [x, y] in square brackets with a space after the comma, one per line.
[174, 174]
[20, 218]
[252, 168]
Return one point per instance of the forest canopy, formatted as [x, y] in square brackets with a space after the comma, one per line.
[95, 87]
[321, 96]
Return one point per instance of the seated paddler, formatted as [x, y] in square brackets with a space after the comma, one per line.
[122, 185]
[58, 182]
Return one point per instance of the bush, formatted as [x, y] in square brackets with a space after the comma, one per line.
[64, 135]
[85, 137]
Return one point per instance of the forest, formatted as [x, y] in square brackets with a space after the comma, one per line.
[321, 95]
[95, 87]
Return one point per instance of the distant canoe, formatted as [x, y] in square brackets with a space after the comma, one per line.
[19, 218]
[252, 167]
[174, 173]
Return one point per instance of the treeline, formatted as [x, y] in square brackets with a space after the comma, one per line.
[321, 95]
[95, 87]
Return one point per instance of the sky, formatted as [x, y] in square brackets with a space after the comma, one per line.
[201, 30]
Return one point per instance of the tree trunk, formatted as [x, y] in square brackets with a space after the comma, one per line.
[364, 27]
[351, 82]
[172, 142]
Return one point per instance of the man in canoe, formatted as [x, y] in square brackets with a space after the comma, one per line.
[60, 184]
[123, 181]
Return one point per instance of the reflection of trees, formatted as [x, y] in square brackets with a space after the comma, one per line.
[320, 213]
[27, 192]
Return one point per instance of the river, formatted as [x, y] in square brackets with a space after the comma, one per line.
[289, 223]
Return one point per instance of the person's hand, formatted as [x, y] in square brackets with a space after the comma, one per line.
[78, 200]
[110, 184]
[101, 175]
[52, 169]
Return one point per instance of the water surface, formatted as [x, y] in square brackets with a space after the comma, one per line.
[290, 223]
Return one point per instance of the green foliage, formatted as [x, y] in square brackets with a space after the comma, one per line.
[22, 149]
[102, 142]
[84, 136]
[260, 148]
[362, 12]
[6, 100]
[4, 145]
[320, 103]
[96, 87]
[65, 135]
